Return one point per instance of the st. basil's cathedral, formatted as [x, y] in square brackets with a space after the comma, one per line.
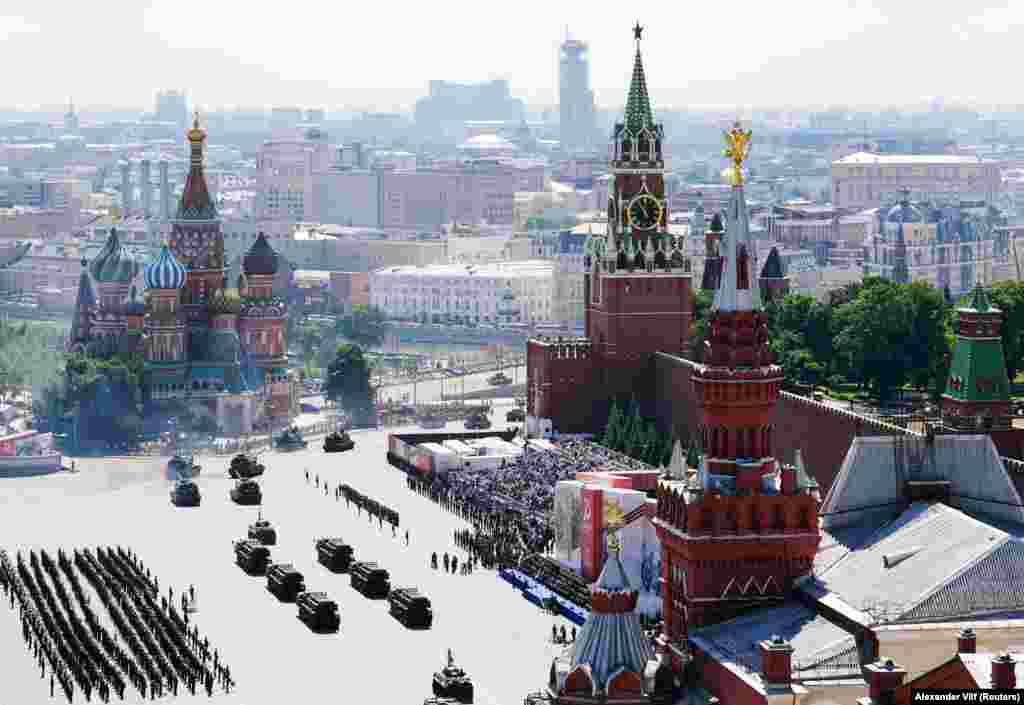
[205, 340]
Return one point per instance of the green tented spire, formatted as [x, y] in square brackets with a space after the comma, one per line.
[638, 104]
[979, 299]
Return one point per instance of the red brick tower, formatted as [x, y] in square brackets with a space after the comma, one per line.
[774, 284]
[741, 531]
[637, 282]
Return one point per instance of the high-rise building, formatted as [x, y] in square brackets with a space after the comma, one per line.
[575, 98]
[451, 103]
[171, 106]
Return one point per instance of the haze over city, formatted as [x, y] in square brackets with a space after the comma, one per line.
[380, 57]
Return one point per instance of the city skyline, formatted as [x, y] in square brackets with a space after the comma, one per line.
[704, 56]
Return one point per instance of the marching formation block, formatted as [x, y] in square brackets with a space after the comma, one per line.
[370, 579]
[318, 612]
[252, 556]
[411, 608]
[334, 554]
[285, 582]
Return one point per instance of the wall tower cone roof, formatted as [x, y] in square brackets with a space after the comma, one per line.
[738, 291]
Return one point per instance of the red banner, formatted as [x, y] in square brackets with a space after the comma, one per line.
[592, 532]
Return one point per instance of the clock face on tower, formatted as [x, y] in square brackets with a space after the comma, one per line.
[644, 212]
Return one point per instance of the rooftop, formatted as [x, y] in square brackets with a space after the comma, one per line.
[514, 269]
[868, 158]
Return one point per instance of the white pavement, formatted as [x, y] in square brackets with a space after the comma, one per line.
[500, 638]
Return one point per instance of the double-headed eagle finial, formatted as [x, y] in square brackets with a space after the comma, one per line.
[737, 142]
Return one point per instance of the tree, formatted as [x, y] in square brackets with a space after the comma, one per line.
[872, 331]
[364, 326]
[927, 345]
[348, 383]
[699, 329]
[1008, 296]
[612, 429]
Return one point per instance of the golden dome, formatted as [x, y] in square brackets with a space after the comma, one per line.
[196, 134]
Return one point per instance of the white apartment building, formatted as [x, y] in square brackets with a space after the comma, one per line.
[465, 292]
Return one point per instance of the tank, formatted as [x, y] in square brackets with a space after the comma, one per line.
[318, 612]
[477, 420]
[244, 466]
[284, 582]
[452, 682]
[370, 579]
[247, 492]
[264, 532]
[515, 416]
[334, 554]
[498, 379]
[185, 493]
[290, 440]
[252, 556]
[181, 468]
[338, 442]
[411, 608]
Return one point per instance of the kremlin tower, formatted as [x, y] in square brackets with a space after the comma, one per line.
[977, 395]
[636, 286]
[742, 530]
[612, 660]
[204, 343]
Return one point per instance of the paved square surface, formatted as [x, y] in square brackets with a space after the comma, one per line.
[501, 639]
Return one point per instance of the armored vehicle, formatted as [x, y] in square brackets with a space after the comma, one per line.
[247, 492]
[452, 682]
[499, 379]
[285, 582]
[334, 554]
[252, 556]
[515, 416]
[411, 608]
[180, 467]
[370, 579]
[185, 493]
[264, 532]
[244, 466]
[477, 420]
[318, 612]
[338, 442]
[290, 439]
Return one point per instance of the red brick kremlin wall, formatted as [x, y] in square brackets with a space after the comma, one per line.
[821, 432]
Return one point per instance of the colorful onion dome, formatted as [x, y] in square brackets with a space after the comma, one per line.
[165, 272]
[114, 263]
[261, 258]
[224, 302]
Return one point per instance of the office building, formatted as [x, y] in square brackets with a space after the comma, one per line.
[577, 126]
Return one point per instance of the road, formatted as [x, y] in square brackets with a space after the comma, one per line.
[496, 635]
[430, 390]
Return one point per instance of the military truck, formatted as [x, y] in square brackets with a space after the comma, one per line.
[252, 556]
[334, 554]
[411, 608]
[370, 579]
[263, 531]
[247, 492]
[318, 612]
[285, 582]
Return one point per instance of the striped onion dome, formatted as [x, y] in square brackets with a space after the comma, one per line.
[165, 272]
[114, 263]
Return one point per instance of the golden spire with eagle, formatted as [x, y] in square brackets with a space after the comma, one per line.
[737, 142]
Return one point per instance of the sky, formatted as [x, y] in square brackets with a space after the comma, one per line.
[735, 55]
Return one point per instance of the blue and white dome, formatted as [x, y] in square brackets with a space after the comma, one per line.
[165, 272]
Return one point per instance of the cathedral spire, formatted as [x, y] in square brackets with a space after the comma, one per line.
[638, 104]
[196, 203]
